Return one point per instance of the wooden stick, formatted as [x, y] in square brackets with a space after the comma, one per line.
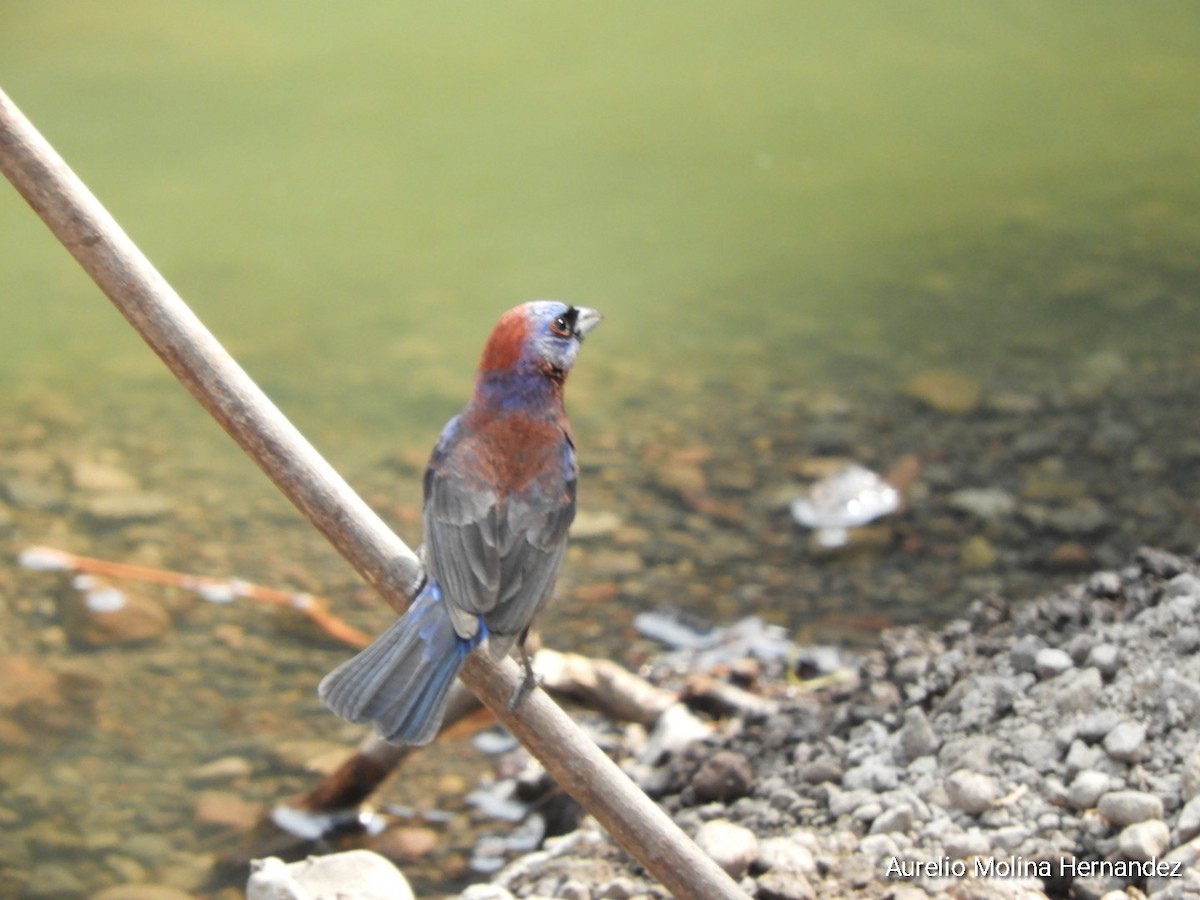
[201, 364]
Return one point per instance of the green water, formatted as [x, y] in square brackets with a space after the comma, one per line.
[763, 191]
[777, 196]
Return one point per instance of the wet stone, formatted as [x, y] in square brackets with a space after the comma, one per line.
[945, 391]
[98, 615]
[125, 507]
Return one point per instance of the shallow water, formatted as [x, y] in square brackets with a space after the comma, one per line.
[785, 212]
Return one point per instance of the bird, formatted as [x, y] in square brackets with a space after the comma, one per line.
[499, 498]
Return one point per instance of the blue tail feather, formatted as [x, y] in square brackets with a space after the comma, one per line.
[400, 683]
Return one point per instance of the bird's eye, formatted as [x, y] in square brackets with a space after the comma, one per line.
[561, 327]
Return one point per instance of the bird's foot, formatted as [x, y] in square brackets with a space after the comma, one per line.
[528, 683]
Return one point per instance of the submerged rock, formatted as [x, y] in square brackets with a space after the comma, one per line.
[95, 614]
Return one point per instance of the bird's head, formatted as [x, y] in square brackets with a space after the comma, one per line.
[542, 336]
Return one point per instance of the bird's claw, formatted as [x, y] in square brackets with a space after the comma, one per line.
[528, 683]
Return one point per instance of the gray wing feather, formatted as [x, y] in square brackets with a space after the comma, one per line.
[492, 559]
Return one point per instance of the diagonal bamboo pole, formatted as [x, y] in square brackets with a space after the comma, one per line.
[203, 366]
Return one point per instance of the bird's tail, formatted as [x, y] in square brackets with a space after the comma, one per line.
[401, 681]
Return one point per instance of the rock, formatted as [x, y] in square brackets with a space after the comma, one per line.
[986, 504]
[897, 818]
[1106, 658]
[227, 768]
[594, 524]
[141, 892]
[1023, 652]
[780, 885]
[125, 507]
[725, 776]
[36, 701]
[405, 844]
[1187, 825]
[977, 552]
[1126, 742]
[917, 737]
[970, 791]
[1076, 689]
[945, 391]
[221, 809]
[1051, 661]
[1144, 840]
[733, 847]
[786, 854]
[1129, 807]
[96, 614]
[1087, 787]
[355, 873]
[98, 477]
[486, 892]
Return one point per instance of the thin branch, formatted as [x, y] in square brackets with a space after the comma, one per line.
[196, 358]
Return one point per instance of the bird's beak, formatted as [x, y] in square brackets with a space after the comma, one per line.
[585, 320]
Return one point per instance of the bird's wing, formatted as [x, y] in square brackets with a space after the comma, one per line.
[535, 538]
[493, 558]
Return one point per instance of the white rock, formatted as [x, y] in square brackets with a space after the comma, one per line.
[1051, 661]
[357, 873]
[732, 847]
[971, 791]
[1145, 840]
[1086, 788]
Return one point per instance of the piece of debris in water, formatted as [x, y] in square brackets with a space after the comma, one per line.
[848, 498]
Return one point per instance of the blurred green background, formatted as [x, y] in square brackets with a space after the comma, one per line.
[765, 192]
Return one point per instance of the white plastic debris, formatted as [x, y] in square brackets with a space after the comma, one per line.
[104, 599]
[848, 498]
[45, 559]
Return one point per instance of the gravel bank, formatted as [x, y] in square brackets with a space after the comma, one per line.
[1047, 748]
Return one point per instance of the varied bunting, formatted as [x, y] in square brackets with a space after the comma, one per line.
[499, 498]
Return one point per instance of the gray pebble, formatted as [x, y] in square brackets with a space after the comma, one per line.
[1187, 826]
[898, 818]
[1126, 742]
[1144, 840]
[965, 844]
[779, 885]
[1086, 788]
[1104, 584]
[1081, 756]
[1106, 658]
[987, 504]
[1077, 690]
[970, 791]
[1024, 651]
[1129, 807]
[786, 854]
[1095, 726]
[917, 737]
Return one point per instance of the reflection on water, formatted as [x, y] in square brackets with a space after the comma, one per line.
[786, 214]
